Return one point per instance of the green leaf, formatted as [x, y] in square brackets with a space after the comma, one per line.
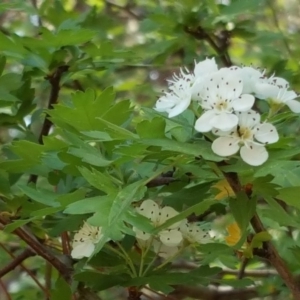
[62, 290]
[124, 198]
[154, 128]
[196, 209]
[2, 64]
[290, 196]
[99, 282]
[201, 148]
[16, 224]
[42, 196]
[90, 155]
[242, 209]
[99, 180]
[259, 238]
[97, 204]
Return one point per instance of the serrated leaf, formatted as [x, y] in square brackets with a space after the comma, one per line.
[124, 198]
[42, 196]
[290, 196]
[99, 180]
[201, 148]
[242, 209]
[196, 209]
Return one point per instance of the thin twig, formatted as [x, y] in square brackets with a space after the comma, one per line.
[5, 291]
[41, 250]
[16, 262]
[242, 269]
[65, 242]
[270, 252]
[54, 80]
[125, 9]
[200, 34]
[29, 272]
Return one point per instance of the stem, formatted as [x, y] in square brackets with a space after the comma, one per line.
[29, 272]
[41, 250]
[5, 291]
[17, 261]
[128, 259]
[169, 259]
[54, 80]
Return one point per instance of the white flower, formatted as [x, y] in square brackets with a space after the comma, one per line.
[202, 70]
[158, 216]
[276, 89]
[220, 98]
[85, 240]
[250, 77]
[177, 100]
[195, 233]
[250, 136]
[164, 251]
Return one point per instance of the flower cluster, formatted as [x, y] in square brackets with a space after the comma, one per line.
[227, 96]
[168, 241]
[85, 240]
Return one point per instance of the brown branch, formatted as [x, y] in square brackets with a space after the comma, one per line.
[65, 241]
[270, 252]
[241, 272]
[16, 262]
[5, 291]
[160, 181]
[29, 272]
[41, 250]
[200, 34]
[54, 80]
[125, 8]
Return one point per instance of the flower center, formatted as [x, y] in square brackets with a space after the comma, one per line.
[221, 105]
[245, 133]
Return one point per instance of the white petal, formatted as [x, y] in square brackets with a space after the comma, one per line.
[225, 146]
[164, 251]
[149, 209]
[289, 95]
[170, 238]
[203, 123]
[254, 155]
[265, 91]
[144, 236]
[197, 88]
[266, 133]
[225, 84]
[294, 106]
[81, 250]
[180, 107]
[278, 81]
[204, 67]
[243, 103]
[167, 213]
[224, 121]
[248, 119]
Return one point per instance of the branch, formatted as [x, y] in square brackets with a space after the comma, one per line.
[54, 80]
[270, 252]
[17, 261]
[125, 8]
[221, 49]
[160, 181]
[5, 291]
[41, 250]
[29, 272]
